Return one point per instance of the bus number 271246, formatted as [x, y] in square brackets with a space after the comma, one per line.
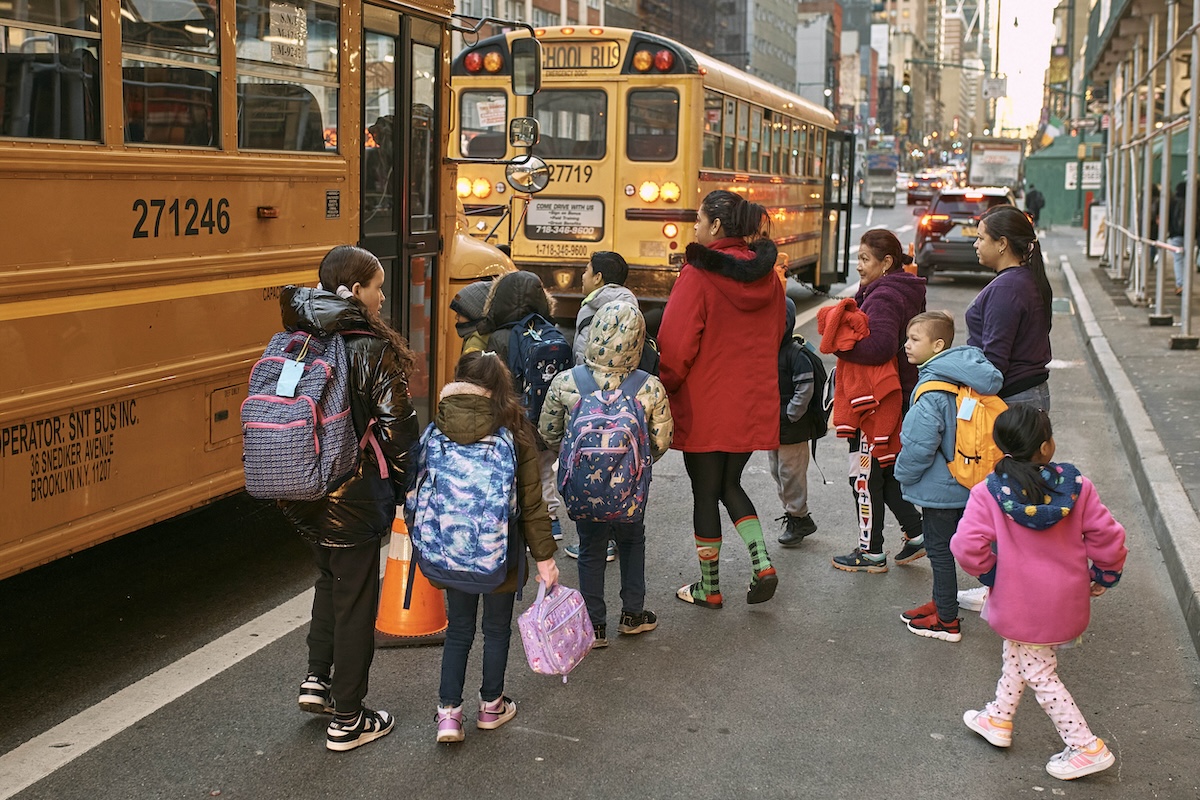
[184, 217]
[579, 173]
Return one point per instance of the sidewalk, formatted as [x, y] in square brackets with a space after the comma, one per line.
[1154, 393]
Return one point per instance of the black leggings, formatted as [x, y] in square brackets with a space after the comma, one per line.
[717, 477]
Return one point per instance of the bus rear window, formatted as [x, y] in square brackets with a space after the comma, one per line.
[483, 116]
[572, 123]
[653, 132]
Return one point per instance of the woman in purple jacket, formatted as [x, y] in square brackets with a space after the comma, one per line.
[1010, 319]
[1038, 534]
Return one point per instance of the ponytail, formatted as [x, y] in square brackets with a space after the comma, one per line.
[1010, 222]
[1020, 432]
[737, 215]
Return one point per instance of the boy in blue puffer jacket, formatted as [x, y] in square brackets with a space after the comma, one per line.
[921, 468]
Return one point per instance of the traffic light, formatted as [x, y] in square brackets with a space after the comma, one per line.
[906, 87]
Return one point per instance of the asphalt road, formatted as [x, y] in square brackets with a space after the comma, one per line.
[821, 692]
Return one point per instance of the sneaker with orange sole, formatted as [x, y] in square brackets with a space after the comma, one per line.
[997, 731]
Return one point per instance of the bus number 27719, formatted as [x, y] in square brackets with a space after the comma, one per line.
[184, 217]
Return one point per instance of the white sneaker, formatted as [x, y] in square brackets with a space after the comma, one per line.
[972, 599]
[1072, 763]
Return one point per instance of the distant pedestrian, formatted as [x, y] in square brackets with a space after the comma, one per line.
[1039, 534]
[720, 339]
[614, 347]
[799, 425]
[1009, 320]
[929, 432]
[478, 403]
[1035, 201]
[1176, 219]
[344, 527]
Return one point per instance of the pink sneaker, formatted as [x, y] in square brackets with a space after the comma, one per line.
[1074, 763]
[996, 731]
[450, 724]
[494, 714]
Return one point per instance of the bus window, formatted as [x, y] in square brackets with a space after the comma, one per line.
[482, 118]
[728, 129]
[170, 97]
[287, 61]
[755, 138]
[712, 130]
[653, 132]
[49, 84]
[572, 123]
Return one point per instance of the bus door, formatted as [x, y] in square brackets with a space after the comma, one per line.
[401, 121]
[835, 228]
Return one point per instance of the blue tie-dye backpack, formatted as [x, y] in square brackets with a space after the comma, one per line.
[462, 510]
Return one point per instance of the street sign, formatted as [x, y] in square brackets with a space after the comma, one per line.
[1071, 178]
[1093, 172]
[994, 88]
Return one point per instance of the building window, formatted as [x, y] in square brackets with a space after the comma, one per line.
[544, 19]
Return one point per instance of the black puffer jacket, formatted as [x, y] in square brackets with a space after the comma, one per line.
[363, 507]
[514, 296]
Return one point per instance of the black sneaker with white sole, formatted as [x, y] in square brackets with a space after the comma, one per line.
[367, 726]
[316, 694]
[641, 622]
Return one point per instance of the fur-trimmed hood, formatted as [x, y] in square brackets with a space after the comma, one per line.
[739, 270]
[733, 258]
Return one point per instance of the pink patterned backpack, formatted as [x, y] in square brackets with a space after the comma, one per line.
[556, 631]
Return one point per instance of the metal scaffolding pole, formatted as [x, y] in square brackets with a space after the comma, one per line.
[1148, 163]
[1185, 340]
[1159, 317]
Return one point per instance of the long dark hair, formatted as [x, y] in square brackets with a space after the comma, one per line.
[737, 215]
[882, 242]
[486, 370]
[1020, 432]
[1010, 222]
[346, 265]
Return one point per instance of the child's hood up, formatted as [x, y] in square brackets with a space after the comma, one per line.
[963, 365]
[738, 269]
[615, 338]
[1062, 485]
[464, 412]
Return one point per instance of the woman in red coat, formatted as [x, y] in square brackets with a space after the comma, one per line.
[719, 340]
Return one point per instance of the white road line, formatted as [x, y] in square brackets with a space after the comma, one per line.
[42, 755]
[904, 228]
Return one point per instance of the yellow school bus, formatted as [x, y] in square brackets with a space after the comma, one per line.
[167, 166]
[636, 130]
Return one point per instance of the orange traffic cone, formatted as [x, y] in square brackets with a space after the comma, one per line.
[424, 621]
[912, 265]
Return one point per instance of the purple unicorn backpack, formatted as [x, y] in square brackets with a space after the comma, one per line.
[605, 462]
[556, 631]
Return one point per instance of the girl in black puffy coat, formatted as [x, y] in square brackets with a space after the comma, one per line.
[344, 528]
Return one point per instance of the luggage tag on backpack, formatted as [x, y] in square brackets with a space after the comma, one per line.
[289, 377]
[967, 409]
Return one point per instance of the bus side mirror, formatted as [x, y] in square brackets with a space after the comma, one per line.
[526, 66]
[523, 132]
[528, 173]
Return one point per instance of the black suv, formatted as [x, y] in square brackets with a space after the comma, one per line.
[946, 232]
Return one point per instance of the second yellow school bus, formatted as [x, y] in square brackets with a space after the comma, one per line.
[637, 129]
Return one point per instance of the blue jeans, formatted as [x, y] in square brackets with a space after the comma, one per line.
[1037, 397]
[938, 525]
[1177, 258]
[631, 555]
[461, 609]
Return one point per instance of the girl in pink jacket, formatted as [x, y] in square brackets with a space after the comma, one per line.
[1037, 533]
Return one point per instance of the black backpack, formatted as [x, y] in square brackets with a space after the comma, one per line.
[815, 421]
[537, 351]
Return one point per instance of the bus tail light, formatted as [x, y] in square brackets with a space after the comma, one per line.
[664, 60]
[493, 62]
[481, 188]
[473, 62]
[642, 60]
[648, 191]
[671, 192]
[670, 230]
[463, 188]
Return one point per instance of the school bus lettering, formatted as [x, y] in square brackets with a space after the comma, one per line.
[71, 451]
[151, 225]
[580, 55]
[579, 173]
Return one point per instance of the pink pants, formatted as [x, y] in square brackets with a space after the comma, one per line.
[1036, 666]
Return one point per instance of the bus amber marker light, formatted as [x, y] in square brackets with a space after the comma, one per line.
[671, 192]
[268, 212]
[648, 191]
[463, 187]
[492, 62]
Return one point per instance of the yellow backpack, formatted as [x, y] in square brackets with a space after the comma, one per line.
[975, 451]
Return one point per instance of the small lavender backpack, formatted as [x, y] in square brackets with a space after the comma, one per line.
[556, 631]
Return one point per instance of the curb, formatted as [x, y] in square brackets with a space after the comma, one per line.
[1167, 504]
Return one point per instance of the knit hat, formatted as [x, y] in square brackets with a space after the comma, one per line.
[470, 300]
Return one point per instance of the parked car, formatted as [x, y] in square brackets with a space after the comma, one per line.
[946, 233]
[923, 186]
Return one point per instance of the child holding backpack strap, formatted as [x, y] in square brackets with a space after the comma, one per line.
[344, 527]
[1038, 534]
[614, 347]
[928, 442]
[479, 403]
